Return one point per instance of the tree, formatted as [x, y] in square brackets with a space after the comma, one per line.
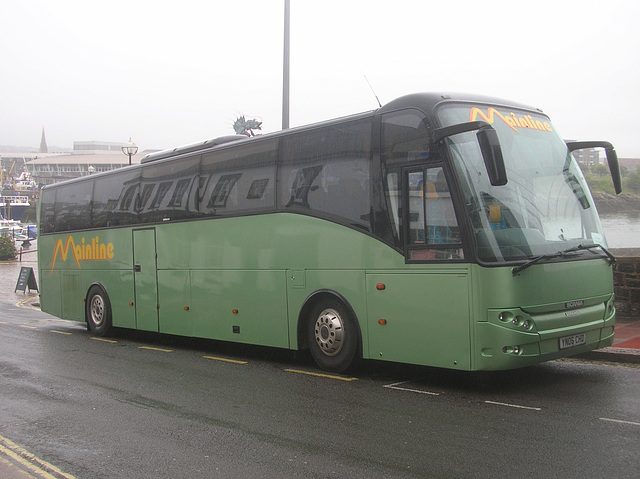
[7, 248]
[600, 170]
[633, 182]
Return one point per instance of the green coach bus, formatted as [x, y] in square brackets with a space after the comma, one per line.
[443, 230]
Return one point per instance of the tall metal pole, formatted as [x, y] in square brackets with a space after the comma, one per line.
[285, 73]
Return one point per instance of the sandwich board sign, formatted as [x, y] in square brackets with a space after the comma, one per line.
[27, 279]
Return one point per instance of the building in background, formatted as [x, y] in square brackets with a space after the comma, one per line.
[43, 143]
[587, 156]
[49, 170]
[97, 148]
[42, 168]
[631, 164]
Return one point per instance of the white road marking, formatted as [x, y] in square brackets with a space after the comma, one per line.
[397, 387]
[620, 421]
[517, 406]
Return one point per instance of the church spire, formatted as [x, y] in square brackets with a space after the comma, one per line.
[43, 143]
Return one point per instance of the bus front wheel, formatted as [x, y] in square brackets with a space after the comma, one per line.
[332, 335]
[98, 311]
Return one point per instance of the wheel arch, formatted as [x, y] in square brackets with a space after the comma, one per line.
[310, 302]
[97, 284]
[87, 305]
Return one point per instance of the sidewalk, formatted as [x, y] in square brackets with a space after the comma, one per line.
[626, 343]
[13, 470]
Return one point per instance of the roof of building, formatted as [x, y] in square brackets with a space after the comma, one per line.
[28, 155]
[101, 159]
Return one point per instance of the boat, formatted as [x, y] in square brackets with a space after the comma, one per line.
[11, 228]
[12, 207]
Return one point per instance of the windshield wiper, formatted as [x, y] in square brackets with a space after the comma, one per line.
[566, 252]
[612, 258]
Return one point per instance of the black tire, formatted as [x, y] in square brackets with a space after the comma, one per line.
[98, 311]
[333, 336]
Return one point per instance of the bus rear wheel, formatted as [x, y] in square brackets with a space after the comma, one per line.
[98, 311]
[332, 335]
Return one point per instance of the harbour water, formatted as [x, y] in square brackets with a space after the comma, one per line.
[622, 230]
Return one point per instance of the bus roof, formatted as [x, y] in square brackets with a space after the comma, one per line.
[193, 147]
[427, 102]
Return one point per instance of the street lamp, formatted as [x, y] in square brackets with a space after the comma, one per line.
[130, 149]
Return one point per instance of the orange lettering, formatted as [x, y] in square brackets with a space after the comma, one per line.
[94, 251]
[511, 120]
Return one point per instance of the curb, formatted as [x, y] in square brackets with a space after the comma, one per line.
[612, 354]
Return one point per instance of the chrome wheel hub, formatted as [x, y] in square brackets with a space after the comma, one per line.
[329, 332]
[97, 310]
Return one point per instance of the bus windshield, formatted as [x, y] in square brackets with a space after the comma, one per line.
[544, 208]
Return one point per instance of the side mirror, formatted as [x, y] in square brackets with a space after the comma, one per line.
[612, 158]
[489, 146]
[492, 155]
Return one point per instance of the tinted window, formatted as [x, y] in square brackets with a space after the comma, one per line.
[404, 139]
[47, 210]
[72, 208]
[114, 198]
[165, 190]
[326, 172]
[238, 180]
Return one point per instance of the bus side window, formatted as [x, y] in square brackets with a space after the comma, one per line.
[442, 225]
[416, 208]
[433, 227]
[302, 185]
[326, 172]
[405, 139]
[392, 193]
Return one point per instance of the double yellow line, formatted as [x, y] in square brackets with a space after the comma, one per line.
[32, 463]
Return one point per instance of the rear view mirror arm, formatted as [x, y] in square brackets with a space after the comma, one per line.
[612, 158]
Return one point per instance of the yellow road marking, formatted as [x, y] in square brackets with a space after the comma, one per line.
[34, 464]
[28, 327]
[61, 332]
[234, 361]
[111, 341]
[23, 303]
[319, 375]
[156, 349]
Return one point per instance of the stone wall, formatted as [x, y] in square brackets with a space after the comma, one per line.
[626, 281]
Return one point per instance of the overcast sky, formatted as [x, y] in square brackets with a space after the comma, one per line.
[172, 73]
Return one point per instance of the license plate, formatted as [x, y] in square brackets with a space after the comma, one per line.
[572, 341]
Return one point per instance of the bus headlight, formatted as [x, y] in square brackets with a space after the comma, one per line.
[513, 318]
[511, 350]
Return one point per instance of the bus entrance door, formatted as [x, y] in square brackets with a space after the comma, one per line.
[145, 279]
